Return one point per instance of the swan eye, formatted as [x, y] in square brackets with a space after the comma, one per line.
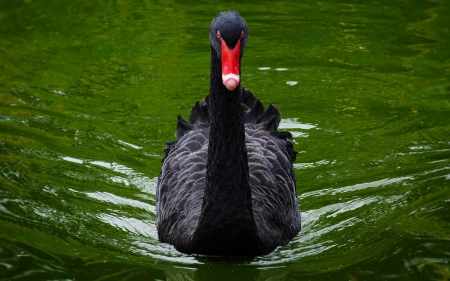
[242, 34]
[218, 34]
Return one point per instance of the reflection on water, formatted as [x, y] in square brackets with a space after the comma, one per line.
[234, 272]
[90, 93]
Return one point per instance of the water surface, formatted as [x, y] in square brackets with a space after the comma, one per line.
[89, 93]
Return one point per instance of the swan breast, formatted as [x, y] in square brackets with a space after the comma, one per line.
[271, 176]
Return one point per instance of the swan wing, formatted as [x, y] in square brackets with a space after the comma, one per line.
[272, 179]
[179, 192]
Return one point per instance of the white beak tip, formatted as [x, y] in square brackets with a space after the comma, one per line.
[230, 81]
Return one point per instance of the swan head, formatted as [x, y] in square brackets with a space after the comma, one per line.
[228, 34]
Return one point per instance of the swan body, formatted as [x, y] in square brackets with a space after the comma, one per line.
[227, 186]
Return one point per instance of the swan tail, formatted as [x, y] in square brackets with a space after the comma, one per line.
[271, 125]
[253, 114]
[183, 127]
[288, 146]
[248, 100]
[200, 112]
[271, 111]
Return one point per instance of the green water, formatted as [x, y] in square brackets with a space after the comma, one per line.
[89, 93]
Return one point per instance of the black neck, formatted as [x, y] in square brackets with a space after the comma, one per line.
[227, 213]
[227, 166]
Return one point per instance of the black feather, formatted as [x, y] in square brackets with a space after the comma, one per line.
[183, 127]
[253, 115]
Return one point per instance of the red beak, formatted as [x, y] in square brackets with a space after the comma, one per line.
[230, 65]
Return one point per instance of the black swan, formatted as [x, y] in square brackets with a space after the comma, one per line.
[227, 186]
